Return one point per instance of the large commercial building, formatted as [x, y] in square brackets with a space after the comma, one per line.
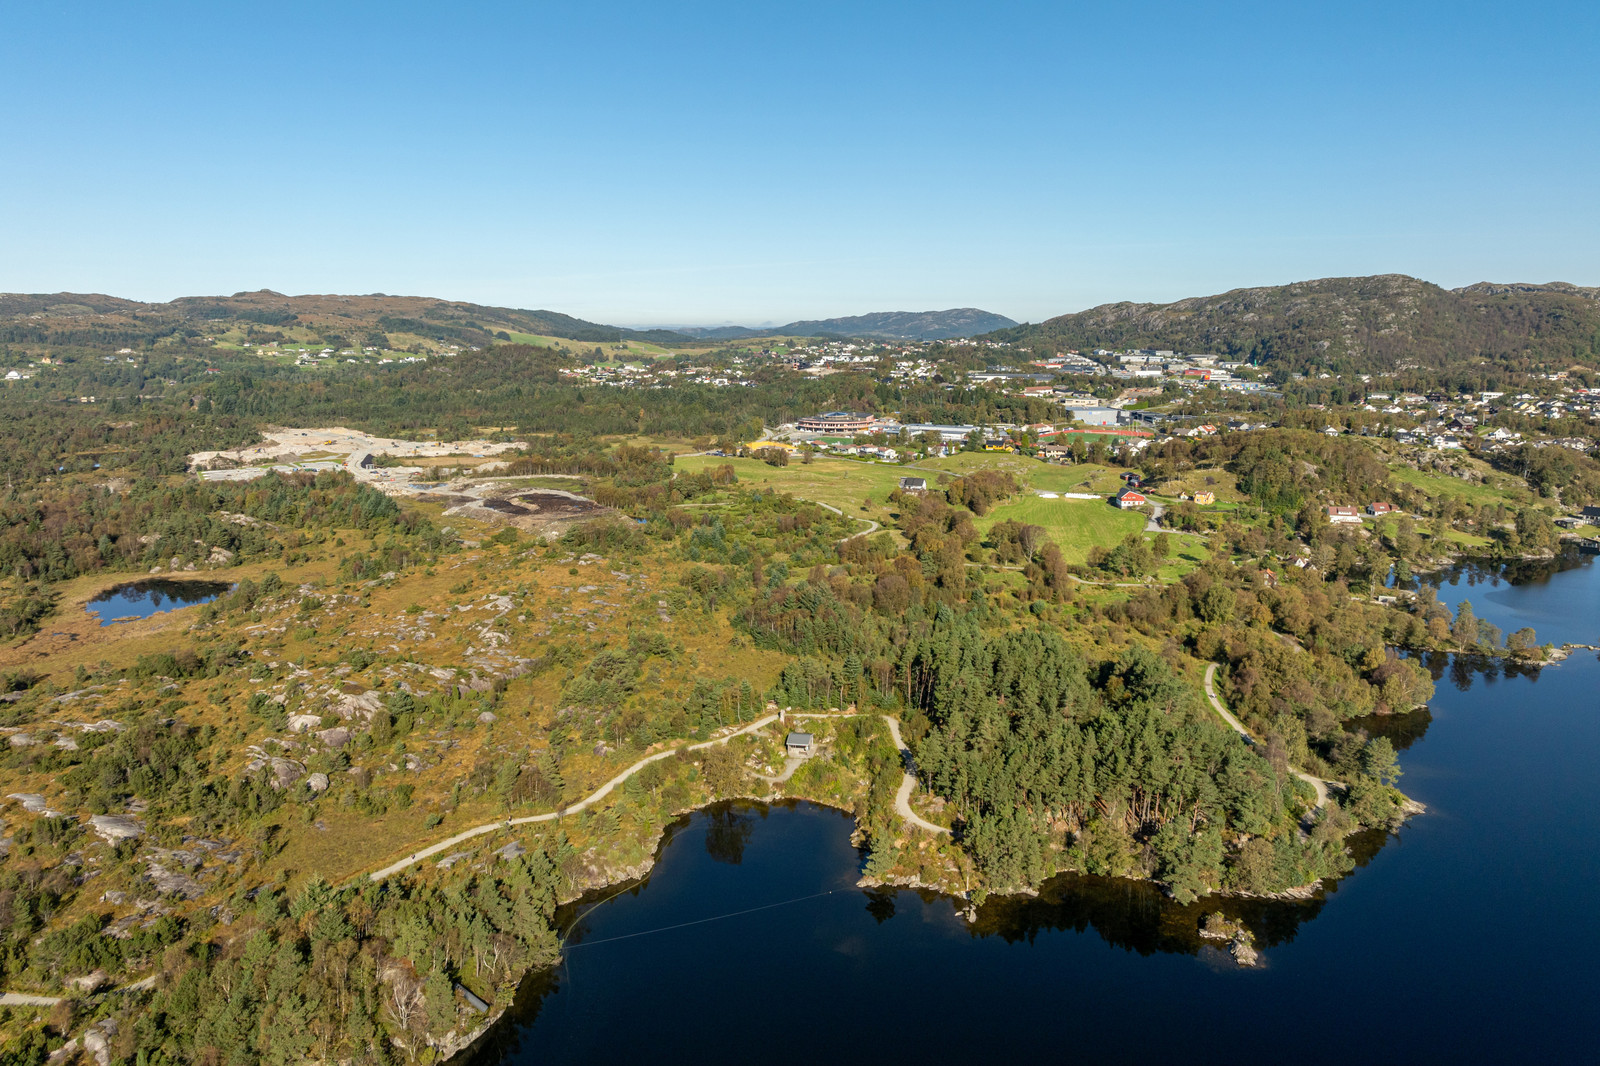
[950, 434]
[1096, 416]
[838, 422]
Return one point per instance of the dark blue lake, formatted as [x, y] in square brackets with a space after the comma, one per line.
[141, 599]
[1470, 936]
[1558, 598]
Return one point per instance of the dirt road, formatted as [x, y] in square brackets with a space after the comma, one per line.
[908, 784]
[1317, 783]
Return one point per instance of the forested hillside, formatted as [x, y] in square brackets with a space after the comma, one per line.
[1349, 324]
[99, 321]
[904, 325]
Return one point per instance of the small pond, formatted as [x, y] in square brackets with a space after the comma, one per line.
[141, 599]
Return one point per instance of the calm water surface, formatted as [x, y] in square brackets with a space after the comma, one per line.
[1472, 935]
[141, 599]
[1557, 598]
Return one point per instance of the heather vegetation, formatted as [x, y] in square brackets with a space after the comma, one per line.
[205, 794]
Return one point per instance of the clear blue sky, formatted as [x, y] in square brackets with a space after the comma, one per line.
[754, 162]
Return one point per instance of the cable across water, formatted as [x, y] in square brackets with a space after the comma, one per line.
[703, 921]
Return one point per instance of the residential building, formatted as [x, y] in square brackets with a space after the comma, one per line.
[1128, 499]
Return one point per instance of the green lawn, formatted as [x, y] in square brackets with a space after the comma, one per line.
[844, 483]
[1075, 525]
[637, 350]
[1187, 553]
[1079, 477]
[1033, 474]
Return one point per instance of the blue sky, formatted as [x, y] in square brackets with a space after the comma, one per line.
[753, 162]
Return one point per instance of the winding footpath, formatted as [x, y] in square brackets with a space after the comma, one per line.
[872, 526]
[594, 797]
[902, 799]
[908, 784]
[1315, 782]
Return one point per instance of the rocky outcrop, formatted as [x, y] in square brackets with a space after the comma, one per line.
[115, 828]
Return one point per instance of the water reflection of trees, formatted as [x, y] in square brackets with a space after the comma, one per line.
[1475, 572]
[1402, 730]
[728, 829]
[1135, 915]
[1138, 916]
[1465, 670]
[159, 590]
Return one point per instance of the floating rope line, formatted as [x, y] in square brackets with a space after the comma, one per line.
[596, 906]
[703, 921]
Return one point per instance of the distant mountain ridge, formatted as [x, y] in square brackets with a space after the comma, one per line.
[54, 317]
[1356, 324]
[904, 325]
[880, 325]
[1379, 322]
[83, 318]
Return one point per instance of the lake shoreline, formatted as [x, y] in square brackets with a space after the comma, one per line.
[609, 884]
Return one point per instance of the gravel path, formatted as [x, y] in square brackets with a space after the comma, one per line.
[872, 527]
[1211, 694]
[594, 797]
[902, 799]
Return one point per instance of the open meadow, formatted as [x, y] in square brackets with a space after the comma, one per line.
[1075, 525]
[842, 483]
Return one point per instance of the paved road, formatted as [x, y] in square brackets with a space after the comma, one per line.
[1211, 694]
[908, 784]
[597, 795]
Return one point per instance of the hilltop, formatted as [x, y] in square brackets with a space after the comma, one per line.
[97, 320]
[378, 319]
[904, 325]
[1380, 322]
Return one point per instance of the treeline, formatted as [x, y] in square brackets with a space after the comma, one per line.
[54, 536]
[1031, 744]
[48, 440]
[364, 975]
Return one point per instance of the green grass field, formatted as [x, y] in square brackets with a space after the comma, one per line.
[844, 483]
[1075, 525]
[637, 350]
[1436, 485]
[1079, 477]
[1032, 473]
[1223, 483]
